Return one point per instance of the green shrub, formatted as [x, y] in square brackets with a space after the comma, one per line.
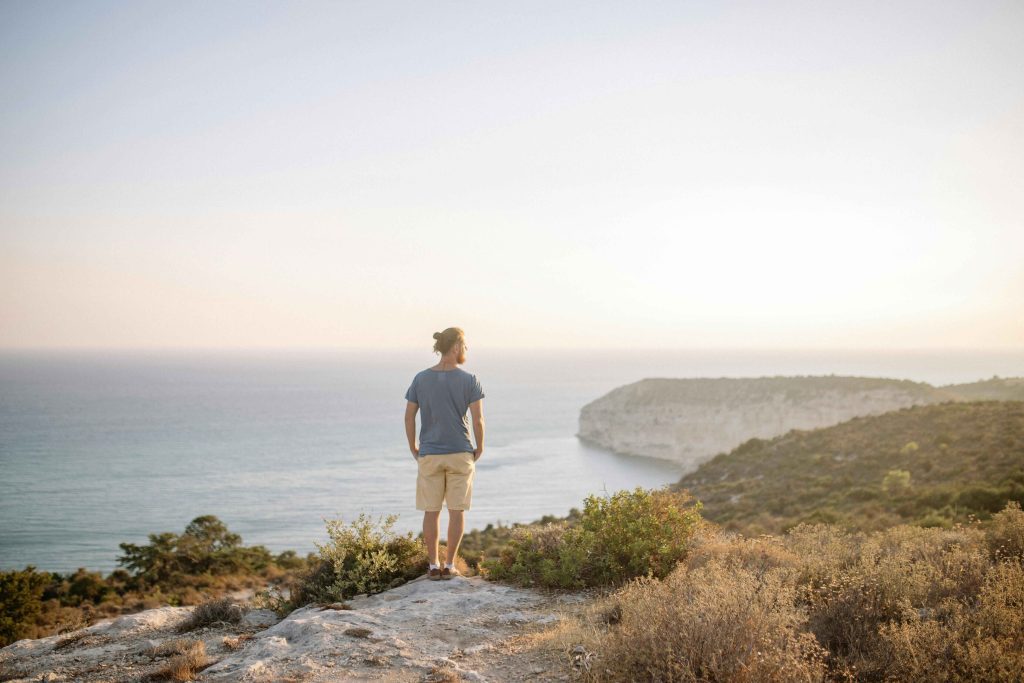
[909, 447]
[896, 482]
[615, 538]
[20, 602]
[985, 499]
[362, 557]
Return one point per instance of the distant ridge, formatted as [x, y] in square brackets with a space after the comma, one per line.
[691, 420]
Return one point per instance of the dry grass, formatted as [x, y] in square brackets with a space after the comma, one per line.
[236, 642]
[175, 646]
[189, 658]
[718, 622]
[72, 639]
[358, 632]
[965, 642]
[1005, 533]
[11, 673]
[218, 612]
[443, 674]
[817, 604]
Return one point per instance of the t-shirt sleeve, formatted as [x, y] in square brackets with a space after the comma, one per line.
[476, 391]
[410, 394]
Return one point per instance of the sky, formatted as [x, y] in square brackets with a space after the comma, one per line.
[544, 175]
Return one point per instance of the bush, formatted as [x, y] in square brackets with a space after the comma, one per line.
[964, 641]
[362, 557]
[220, 611]
[717, 621]
[615, 538]
[984, 499]
[909, 447]
[189, 658]
[820, 603]
[20, 602]
[1005, 533]
[896, 482]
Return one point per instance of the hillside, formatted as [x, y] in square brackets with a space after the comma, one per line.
[929, 464]
[692, 420]
[995, 389]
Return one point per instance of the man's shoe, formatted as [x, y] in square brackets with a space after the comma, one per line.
[447, 573]
[434, 574]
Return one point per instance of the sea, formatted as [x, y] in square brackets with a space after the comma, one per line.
[99, 448]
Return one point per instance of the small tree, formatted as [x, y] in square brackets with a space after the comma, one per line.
[206, 547]
[896, 482]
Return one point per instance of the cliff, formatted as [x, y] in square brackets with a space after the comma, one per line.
[691, 420]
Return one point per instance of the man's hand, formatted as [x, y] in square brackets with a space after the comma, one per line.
[477, 452]
[415, 453]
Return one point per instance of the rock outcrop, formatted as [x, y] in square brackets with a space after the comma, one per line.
[422, 630]
[691, 420]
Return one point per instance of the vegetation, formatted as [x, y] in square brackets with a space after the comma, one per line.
[995, 389]
[205, 561]
[821, 603]
[206, 548]
[361, 557]
[659, 391]
[898, 555]
[479, 544]
[187, 658]
[933, 465]
[21, 595]
[212, 613]
[618, 537]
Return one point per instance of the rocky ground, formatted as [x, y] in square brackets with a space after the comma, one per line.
[463, 629]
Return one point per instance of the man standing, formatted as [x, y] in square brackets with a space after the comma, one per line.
[445, 457]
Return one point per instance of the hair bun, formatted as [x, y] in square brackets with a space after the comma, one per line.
[437, 335]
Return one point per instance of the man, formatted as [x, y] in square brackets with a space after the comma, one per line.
[445, 457]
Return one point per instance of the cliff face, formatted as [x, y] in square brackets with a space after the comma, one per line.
[692, 420]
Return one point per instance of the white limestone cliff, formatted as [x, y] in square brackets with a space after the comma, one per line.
[691, 420]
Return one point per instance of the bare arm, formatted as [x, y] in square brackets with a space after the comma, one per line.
[410, 427]
[476, 409]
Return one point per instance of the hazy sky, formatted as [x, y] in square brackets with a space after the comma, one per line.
[679, 174]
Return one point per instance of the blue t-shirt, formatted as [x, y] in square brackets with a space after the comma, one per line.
[444, 397]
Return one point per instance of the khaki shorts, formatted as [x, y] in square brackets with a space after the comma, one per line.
[445, 476]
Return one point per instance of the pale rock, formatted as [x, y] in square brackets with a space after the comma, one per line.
[412, 629]
[689, 421]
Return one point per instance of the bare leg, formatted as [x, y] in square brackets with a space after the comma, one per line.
[456, 525]
[431, 533]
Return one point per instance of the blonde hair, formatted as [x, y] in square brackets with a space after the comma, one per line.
[447, 339]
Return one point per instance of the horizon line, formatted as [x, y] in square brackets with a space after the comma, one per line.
[504, 349]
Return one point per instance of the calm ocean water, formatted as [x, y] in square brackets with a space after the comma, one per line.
[98, 448]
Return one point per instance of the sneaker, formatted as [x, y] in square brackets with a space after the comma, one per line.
[447, 573]
[434, 574]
